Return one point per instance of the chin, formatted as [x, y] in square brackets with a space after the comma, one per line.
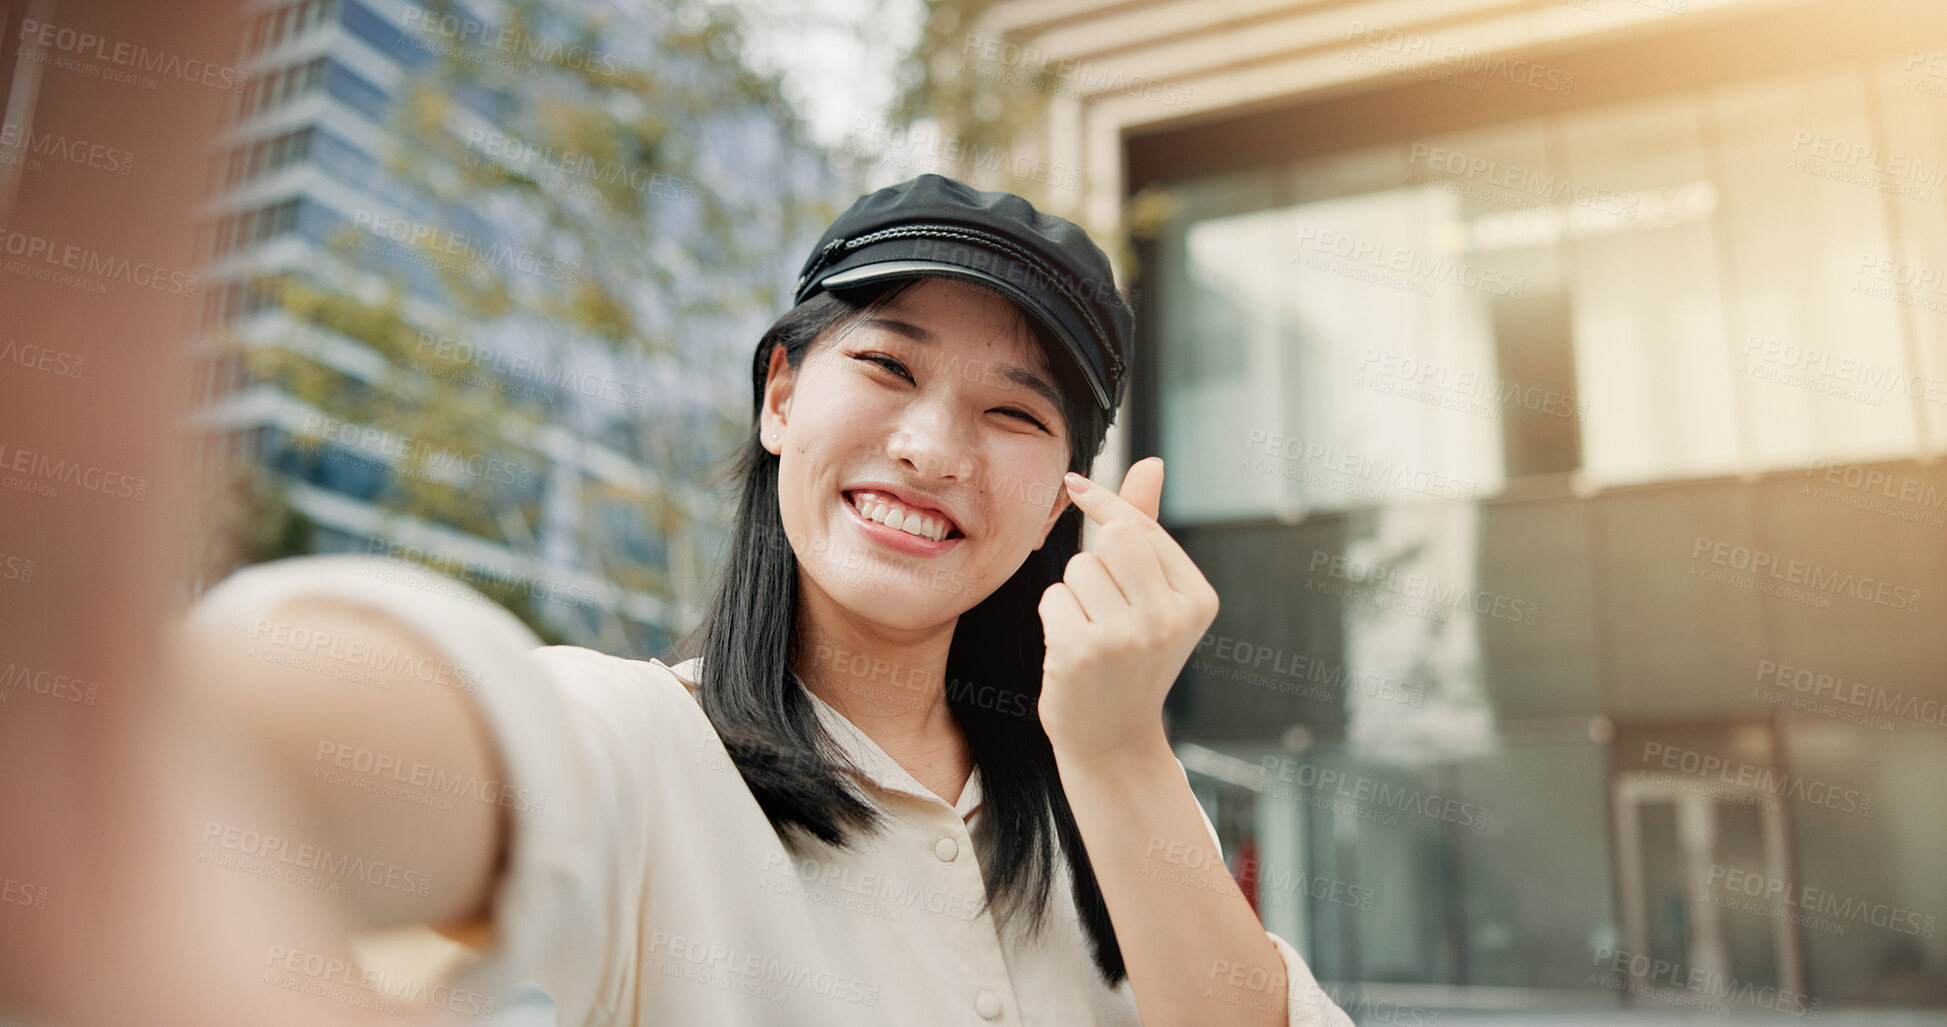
[901, 597]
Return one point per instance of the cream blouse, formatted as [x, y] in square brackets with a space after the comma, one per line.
[644, 884]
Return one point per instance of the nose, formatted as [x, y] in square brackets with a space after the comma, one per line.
[932, 441]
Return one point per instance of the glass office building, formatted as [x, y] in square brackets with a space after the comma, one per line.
[599, 528]
[1562, 431]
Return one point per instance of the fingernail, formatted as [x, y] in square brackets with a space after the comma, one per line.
[1075, 481]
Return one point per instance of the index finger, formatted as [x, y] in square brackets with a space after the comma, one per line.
[1103, 507]
[1142, 493]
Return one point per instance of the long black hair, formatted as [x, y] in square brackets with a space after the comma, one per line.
[749, 644]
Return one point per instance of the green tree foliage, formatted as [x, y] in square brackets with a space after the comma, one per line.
[984, 105]
[599, 199]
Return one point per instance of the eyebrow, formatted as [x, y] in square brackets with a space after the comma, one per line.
[1012, 372]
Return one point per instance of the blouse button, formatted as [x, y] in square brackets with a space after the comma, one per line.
[946, 849]
[988, 1005]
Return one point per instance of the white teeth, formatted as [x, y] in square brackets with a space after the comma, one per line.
[894, 515]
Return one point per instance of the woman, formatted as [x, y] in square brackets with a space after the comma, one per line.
[912, 769]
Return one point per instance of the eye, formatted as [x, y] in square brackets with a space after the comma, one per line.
[1025, 416]
[886, 362]
[899, 369]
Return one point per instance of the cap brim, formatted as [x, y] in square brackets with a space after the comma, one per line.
[892, 269]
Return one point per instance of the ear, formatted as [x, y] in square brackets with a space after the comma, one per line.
[1061, 503]
[771, 419]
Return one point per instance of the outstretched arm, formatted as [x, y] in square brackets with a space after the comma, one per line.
[413, 756]
[350, 725]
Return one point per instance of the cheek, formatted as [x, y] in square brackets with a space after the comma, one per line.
[1025, 489]
[848, 411]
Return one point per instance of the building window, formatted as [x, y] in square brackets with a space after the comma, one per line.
[233, 300]
[248, 228]
[351, 89]
[384, 35]
[276, 27]
[255, 159]
[1605, 291]
[276, 88]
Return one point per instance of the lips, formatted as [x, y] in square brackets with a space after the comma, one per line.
[903, 511]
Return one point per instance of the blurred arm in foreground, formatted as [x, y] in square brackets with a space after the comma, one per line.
[117, 751]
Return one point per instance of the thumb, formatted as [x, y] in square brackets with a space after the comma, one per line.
[1142, 487]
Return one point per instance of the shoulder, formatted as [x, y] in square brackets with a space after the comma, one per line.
[592, 663]
[630, 696]
[418, 597]
[591, 671]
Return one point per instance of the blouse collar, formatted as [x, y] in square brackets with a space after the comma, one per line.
[871, 762]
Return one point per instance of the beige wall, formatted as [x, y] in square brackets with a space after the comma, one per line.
[1126, 70]
[1138, 68]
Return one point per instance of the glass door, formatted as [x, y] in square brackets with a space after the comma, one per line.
[1703, 876]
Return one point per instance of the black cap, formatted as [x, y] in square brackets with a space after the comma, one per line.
[934, 226]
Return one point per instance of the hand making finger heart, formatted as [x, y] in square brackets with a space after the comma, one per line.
[1121, 623]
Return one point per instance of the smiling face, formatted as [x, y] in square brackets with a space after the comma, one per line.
[920, 454]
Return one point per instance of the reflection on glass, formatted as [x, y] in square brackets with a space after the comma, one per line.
[1548, 359]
